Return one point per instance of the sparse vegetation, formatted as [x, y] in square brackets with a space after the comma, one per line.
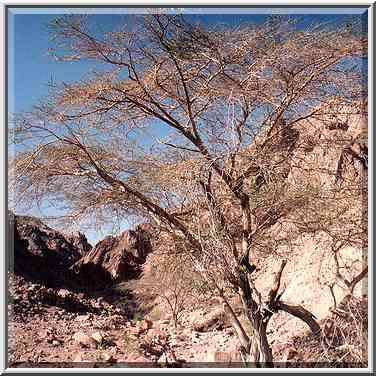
[155, 314]
[138, 316]
[170, 280]
[131, 344]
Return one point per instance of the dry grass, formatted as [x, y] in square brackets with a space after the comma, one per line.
[131, 344]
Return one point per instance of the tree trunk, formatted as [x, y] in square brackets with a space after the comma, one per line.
[239, 330]
[259, 351]
[255, 346]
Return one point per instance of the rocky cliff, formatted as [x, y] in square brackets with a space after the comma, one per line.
[41, 254]
[114, 258]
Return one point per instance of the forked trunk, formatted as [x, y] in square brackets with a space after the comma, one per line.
[258, 352]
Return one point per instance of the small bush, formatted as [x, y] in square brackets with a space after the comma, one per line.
[138, 316]
[130, 344]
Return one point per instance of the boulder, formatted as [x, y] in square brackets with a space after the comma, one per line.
[136, 330]
[107, 358]
[98, 337]
[291, 356]
[85, 340]
[82, 318]
[168, 360]
[78, 358]
[346, 348]
[163, 360]
[223, 357]
[146, 324]
[133, 356]
[142, 359]
[213, 320]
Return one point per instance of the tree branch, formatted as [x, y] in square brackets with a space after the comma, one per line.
[358, 278]
[242, 335]
[299, 312]
[277, 282]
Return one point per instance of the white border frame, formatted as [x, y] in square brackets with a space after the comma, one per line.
[198, 3]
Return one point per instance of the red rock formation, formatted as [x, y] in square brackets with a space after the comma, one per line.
[41, 254]
[79, 241]
[114, 258]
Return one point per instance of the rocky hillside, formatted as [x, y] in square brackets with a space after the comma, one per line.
[42, 254]
[70, 305]
[47, 256]
[114, 259]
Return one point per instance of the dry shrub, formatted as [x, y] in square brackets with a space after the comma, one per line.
[343, 342]
[167, 278]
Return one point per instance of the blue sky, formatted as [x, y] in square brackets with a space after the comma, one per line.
[30, 68]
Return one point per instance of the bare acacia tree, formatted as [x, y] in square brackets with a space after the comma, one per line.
[194, 128]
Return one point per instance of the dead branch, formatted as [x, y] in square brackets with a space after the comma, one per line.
[299, 312]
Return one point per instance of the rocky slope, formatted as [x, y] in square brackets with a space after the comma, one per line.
[81, 331]
[41, 254]
[114, 259]
[69, 307]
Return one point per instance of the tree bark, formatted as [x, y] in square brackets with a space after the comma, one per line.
[299, 312]
[260, 352]
[242, 335]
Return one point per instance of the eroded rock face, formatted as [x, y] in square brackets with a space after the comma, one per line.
[114, 258]
[42, 254]
[79, 241]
